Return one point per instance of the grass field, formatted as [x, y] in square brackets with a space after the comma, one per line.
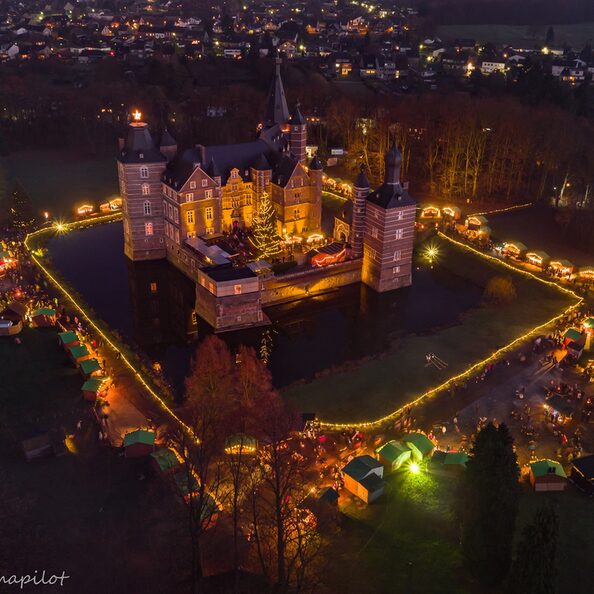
[576, 35]
[56, 181]
[408, 541]
[40, 387]
[381, 385]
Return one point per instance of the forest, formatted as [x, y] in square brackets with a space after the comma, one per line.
[488, 144]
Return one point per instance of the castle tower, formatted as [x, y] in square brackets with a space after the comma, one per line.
[140, 167]
[389, 230]
[277, 111]
[315, 175]
[168, 146]
[360, 193]
[298, 135]
[261, 175]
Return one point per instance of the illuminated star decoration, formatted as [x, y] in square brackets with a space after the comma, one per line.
[136, 115]
[431, 253]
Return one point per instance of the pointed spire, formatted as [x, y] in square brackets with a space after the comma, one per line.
[393, 161]
[362, 182]
[167, 139]
[212, 170]
[297, 118]
[315, 164]
[277, 111]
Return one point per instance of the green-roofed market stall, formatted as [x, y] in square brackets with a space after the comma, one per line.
[88, 367]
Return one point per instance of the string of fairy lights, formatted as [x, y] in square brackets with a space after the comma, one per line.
[375, 424]
[369, 424]
[61, 228]
[500, 210]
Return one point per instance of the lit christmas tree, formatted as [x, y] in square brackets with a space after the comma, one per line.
[265, 238]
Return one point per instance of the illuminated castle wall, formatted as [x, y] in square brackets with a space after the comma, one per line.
[175, 203]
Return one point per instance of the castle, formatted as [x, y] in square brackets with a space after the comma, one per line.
[179, 206]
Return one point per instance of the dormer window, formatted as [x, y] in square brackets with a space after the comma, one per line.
[192, 185]
[144, 172]
[141, 155]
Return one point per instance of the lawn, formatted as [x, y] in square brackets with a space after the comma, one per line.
[85, 513]
[56, 181]
[381, 385]
[408, 540]
[576, 35]
[40, 387]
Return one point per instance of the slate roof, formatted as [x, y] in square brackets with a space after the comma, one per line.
[284, 170]
[277, 111]
[167, 139]
[315, 164]
[585, 466]
[227, 273]
[373, 483]
[362, 181]
[297, 118]
[139, 146]
[391, 196]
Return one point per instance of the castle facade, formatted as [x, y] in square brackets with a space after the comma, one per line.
[177, 205]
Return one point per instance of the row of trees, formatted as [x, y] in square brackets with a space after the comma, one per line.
[487, 509]
[228, 400]
[468, 148]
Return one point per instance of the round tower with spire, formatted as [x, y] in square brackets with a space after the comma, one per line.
[140, 168]
[360, 193]
[298, 135]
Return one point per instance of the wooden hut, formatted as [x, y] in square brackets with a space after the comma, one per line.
[90, 368]
[11, 318]
[430, 212]
[139, 443]
[363, 477]
[475, 222]
[166, 462]
[573, 335]
[43, 317]
[79, 353]
[451, 213]
[547, 475]
[241, 444]
[514, 249]
[68, 339]
[538, 258]
[586, 273]
[94, 387]
[450, 461]
[561, 267]
[420, 445]
[393, 455]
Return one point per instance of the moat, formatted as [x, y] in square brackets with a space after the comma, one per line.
[150, 304]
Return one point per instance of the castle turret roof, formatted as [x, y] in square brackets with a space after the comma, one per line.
[297, 118]
[277, 111]
[315, 164]
[139, 146]
[167, 139]
[362, 181]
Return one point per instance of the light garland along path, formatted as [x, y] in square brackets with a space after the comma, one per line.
[479, 364]
[500, 210]
[80, 308]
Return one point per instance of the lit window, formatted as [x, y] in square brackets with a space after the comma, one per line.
[399, 233]
[192, 185]
[237, 289]
[148, 229]
[396, 269]
[153, 287]
[189, 197]
[209, 213]
[400, 215]
[204, 183]
[144, 172]
[208, 194]
[374, 232]
[176, 215]
[296, 213]
[397, 255]
[146, 207]
[146, 189]
[190, 217]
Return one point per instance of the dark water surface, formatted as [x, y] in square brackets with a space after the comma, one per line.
[150, 304]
